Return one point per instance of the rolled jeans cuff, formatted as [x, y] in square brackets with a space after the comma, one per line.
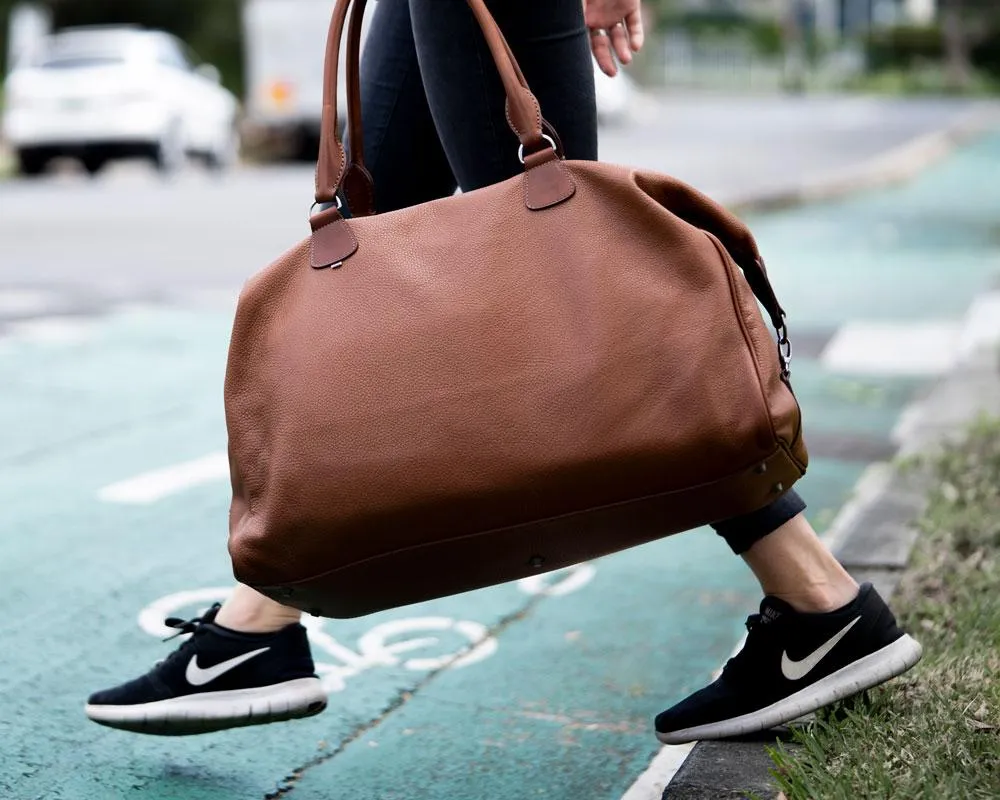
[741, 532]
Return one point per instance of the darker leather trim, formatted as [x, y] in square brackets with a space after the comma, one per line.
[359, 189]
[332, 239]
[547, 181]
[511, 552]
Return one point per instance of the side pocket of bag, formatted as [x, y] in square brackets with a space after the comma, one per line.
[782, 405]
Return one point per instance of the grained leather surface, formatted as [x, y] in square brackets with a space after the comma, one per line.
[490, 386]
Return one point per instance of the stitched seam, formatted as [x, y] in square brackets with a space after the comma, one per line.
[570, 190]
[350, 232]
[729, 266]
[506, 113]
[778, 451]
[538, 116]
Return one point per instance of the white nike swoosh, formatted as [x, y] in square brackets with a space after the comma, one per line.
[197, 676]
[797, 670]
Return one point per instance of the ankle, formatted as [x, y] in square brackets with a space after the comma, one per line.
[254, 622]
[818, 597]
[248, 611]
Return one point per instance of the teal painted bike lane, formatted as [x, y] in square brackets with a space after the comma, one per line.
[534, 689]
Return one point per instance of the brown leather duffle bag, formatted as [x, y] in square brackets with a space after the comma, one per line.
[499, 383]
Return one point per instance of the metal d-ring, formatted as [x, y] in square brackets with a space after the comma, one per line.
[784, 349]
[336, 199]
[546, 137]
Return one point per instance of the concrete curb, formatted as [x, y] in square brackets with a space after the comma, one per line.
[872, 537]
[895, 166]
[872, 534]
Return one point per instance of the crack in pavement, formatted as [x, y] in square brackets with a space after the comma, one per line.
[289, 782]
[27, 457]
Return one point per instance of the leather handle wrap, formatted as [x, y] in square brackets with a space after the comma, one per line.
[522, 108]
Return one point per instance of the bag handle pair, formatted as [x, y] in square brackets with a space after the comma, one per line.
[552, 183]
[333, 172]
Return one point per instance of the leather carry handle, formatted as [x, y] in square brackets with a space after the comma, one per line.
[523, 112]
[358, 186]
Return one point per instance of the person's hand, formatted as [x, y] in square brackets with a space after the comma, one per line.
[614, 25]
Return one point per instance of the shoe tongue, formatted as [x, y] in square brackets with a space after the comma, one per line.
[773, 608]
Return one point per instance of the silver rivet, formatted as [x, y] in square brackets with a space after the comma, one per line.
[760, 469]
[536, 561]
[778, 487]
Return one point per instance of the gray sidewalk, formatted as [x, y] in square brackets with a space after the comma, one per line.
[873, 535]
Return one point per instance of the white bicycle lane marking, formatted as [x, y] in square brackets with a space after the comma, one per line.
[149, 487]
[384, 645]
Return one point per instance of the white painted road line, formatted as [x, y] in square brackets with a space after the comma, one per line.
[982, 325]
[671, 757]
[661, 770]
[152, 486]
[51, 330]
[917, 349]
[27, 302]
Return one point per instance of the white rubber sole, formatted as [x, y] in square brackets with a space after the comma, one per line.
[216, 711]
[873, 669]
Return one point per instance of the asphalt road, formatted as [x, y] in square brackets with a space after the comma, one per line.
[113, 477]
[130, 235]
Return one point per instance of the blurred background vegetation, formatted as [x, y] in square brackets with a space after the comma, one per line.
[700, 43]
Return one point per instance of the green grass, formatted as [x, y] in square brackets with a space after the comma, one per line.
[933, 734]
[927, 80]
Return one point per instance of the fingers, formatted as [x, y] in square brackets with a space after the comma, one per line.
[601, 46]
[615, 30]
[605, 13]
[620, 43]
[636, 35]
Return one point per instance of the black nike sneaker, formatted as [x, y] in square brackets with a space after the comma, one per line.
[217, 679]
[792, 664]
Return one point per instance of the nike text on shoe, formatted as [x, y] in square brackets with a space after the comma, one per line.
[792, 664]
[217, 679]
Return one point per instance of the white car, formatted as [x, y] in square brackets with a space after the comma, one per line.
[103, 93]
[615, 96]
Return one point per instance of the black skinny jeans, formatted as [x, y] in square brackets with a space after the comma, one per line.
[433, 119]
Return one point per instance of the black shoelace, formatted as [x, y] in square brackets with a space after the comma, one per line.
[183, 626]
[743, 666]
[753, 621]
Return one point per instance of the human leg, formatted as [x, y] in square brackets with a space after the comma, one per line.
[402, 151]
[791, 563]
[551, 44]
[818, 636]
[787, 557]
[220, 677]
[248, 611]
[270, 674]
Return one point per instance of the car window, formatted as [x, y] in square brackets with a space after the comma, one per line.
[70, 51]
[192, 57]
[170, 54]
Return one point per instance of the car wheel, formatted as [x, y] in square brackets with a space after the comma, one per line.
[93, 163]
[31, 162]
[306, 146]
[168, 153]
[226, 154]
